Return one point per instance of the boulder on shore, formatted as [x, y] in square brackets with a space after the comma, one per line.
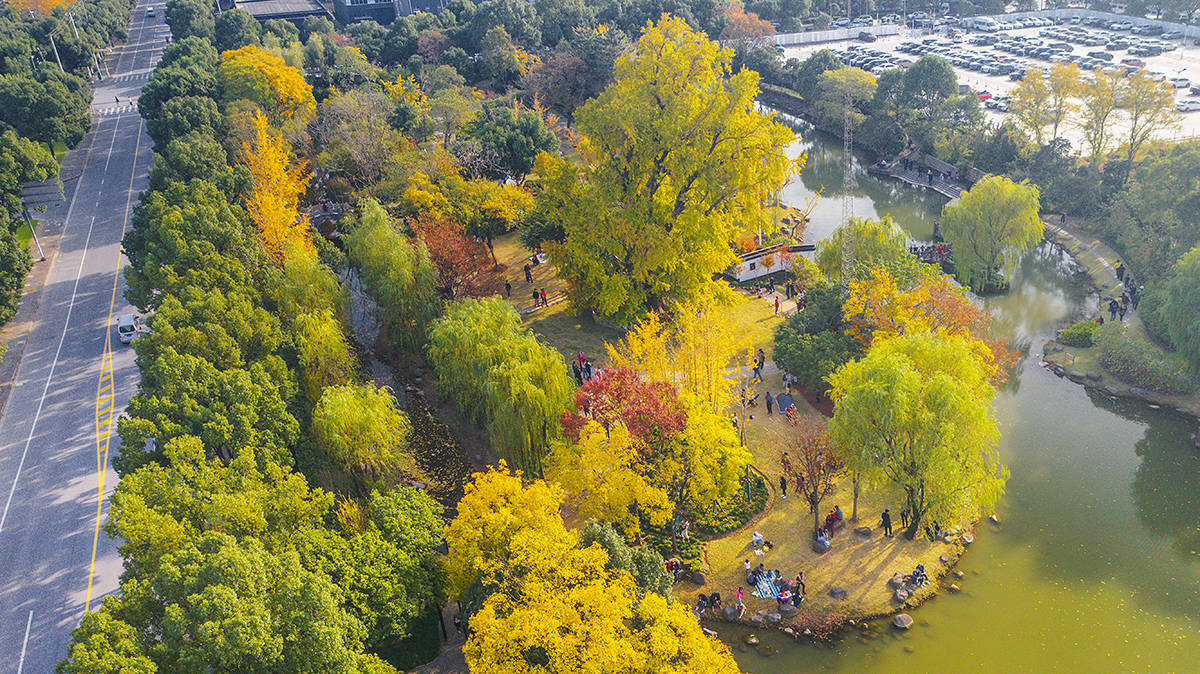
[967, 538]
[902, 621]
[952, 587]
[901, 595]
[699, 578]
[838, 592]
[865, 532]
[729, 613]
[896, 581]
[821, 547]
[788, 611]
[1094, 376]
[774, 618]
[944, 559]
[751, 639]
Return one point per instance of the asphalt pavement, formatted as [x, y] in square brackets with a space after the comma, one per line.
[74, 378]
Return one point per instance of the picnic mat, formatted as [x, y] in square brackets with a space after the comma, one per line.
[766, 588]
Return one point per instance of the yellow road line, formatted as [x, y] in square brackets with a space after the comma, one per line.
[105, 386]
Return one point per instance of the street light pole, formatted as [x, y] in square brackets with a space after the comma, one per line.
[32, 230]
[55, 48]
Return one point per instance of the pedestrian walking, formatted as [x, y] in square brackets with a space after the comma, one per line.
[537, 299]
[1112, 309]
[587, 369]
[685, 530]
[545, 302]
[507, 288]
[904, 517]
[528, 274]
[783, 485]
[1119, 270]
[1121, 311]
[777, 306]
[577, 372]
[886, 521]
[770, 401]
[786, 462]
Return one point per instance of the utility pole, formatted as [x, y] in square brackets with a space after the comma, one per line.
[55, 48]
[33, 230]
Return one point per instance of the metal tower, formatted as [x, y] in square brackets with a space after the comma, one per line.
[847, 187]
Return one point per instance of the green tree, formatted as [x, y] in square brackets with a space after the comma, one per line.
[1183, 321]
[833, 88]
[188, 235]
[676, 159]
[198, 156]
[324, 354]
[21, 161]
[1099, 97]
[642, 562]
[1064, 84]
[501, 375]
[399, 274]
[235, 28]
[560, 18]
[15, 264]
[45, 109]
[224, 605]
[870, 242]
[186, 83]
[811, 69]
[990, 228]
[228, 329]
[362, 430]
[514, 136]
[518, 18]
[229, 410]
[919, 406]
[188, 18]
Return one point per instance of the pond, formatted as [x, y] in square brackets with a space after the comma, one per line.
[1096, 563]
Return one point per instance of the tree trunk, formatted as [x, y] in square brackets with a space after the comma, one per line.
[914, 525]
[816, 514]
[857, 485]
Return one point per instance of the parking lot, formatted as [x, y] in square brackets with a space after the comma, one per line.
[991, 63]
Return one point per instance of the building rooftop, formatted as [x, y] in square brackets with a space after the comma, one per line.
[281, 9]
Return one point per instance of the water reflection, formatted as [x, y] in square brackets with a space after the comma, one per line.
[1096, 566]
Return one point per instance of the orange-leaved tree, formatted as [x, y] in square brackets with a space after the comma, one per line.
[277, 181]
[880, 306]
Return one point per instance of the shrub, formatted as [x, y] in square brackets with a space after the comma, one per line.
[1080, 334]
[1150, 310]
[728, 513]
[1140, 363]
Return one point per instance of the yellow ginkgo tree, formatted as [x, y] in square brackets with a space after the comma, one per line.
[277, 181]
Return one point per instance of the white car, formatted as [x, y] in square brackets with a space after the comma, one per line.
[1188, 105]
[1181, 82]
[127, 328]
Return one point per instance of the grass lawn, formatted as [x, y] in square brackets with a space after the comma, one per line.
[60, 151]
[861, 566]
[24, 235]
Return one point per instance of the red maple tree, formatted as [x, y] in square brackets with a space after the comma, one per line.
[650, 410]
[465, 268]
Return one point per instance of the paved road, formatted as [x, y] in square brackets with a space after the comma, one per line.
[55, 431]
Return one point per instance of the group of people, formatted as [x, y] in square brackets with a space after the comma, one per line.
[760, 362]
[710, 602]
[790, 590]
[1131, 293]
[581, 367]
[832, 521]
[933, 253]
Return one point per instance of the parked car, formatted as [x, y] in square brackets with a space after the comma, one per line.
[1195, 90]
[866, 36]
[1172, 35]
[127, 328]
[1138, 63]
[984, 95]
[1188, 105]
[840, 23]
[1181, 82]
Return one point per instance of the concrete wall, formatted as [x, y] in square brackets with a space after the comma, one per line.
[815, 36]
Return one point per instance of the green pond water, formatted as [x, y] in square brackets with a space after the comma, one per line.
[1096, 565]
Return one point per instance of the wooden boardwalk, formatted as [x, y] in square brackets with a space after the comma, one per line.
[950, 190]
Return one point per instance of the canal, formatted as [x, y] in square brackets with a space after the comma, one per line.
[1096, 563]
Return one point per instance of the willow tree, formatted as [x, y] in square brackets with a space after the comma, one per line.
[399, 274]
[361, 428]
[919, 405]
[870, 242]
[677, 162]
[501, 375]
[990, 228]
